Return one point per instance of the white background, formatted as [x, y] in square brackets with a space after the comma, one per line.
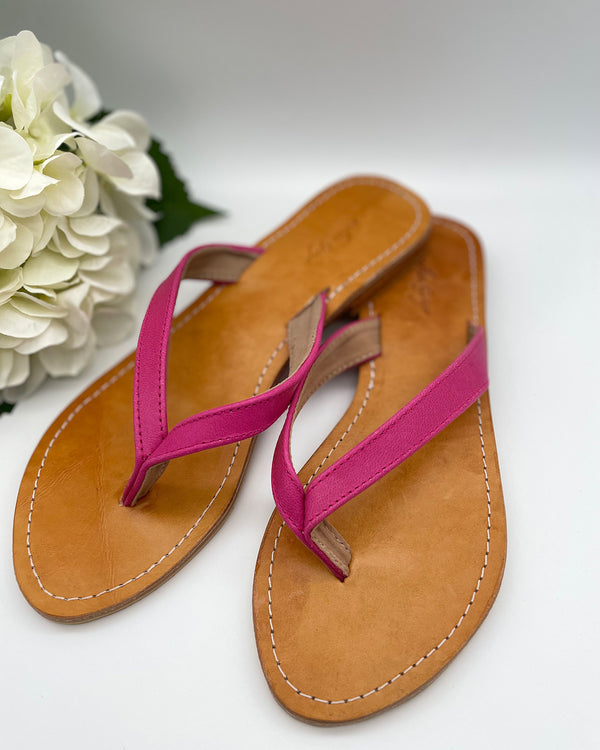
[491, 111]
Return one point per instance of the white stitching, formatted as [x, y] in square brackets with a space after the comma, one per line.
[408, 197]
[284, 230]
[474, 298]
[468, 240]
[191, 529]
[75, 411]
[276, 351]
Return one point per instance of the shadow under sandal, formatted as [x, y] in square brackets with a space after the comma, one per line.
[386, 552]
[90, 536]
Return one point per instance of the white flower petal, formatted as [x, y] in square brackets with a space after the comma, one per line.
[15, 323]
[125, 243]
[91, 191]
[23, 110]
[14, 368]
[9, 342]
[22, 207]
[111, 324]
[95, 225]
[108, 135]
[37, 182]
[10, 282]
[19, 372]
[116, 277]
[49, 223]
[79, 327]
[94, 262]
[54, 335]
[132, 123]
[34, 307]
[43, 292]
[7, 51]
[74, 297]
[37, 375]
[107, 203]
[28, 56]
[8, 231]
[61, 165]
[100, 296]
[37, 308]
[92, 245]
[48, 268]
[48, 83]
[64, 198]
[35, 224]
[66, 195]
[86, 97]
[46, 134]
[60, 244]
[61, 111]
[60, 361]
[111, 136]
[102, 160]
[148, 241]
[16, 164]
[18, 250]
[128, 207]
[6, 362]
[28, 59]
[145, 179]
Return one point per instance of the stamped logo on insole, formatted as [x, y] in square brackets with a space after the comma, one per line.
[420, 286]
[341, 237]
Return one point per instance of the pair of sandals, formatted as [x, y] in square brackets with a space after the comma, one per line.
[357, 605]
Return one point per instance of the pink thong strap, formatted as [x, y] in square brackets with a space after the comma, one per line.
[155, 443]
[305, 509]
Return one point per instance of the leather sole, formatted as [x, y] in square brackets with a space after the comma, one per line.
[428, 540]
[78, 553]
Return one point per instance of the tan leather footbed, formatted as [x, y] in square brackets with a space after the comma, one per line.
[428, 540]
[79, 554]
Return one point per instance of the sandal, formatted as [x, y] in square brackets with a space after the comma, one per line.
[79, 551]
[358, 605]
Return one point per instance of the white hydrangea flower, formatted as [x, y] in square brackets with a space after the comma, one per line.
[74, 227]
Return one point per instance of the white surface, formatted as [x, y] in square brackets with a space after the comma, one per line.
[489, 110]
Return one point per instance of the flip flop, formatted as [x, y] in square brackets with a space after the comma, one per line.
[79, 551]
[387, 550]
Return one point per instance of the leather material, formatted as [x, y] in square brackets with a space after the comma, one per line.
[150, 373]
[155, 443]
[428, 538]
[78, 553]
[438, 404]
[349, 346]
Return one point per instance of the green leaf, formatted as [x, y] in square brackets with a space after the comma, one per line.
[6, 408]
[176, 211]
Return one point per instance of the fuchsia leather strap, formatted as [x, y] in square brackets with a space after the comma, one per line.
[155, 444]
[442, 401]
